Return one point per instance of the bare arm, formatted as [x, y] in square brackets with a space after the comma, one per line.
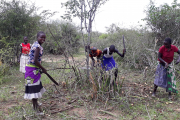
[36, 55]
[160, 58]
[104, 51]
[99, 56]
[122, 55]
[92, 60]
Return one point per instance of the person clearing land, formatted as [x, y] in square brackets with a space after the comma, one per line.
[108, 60]
[164, 76]
[94, 52]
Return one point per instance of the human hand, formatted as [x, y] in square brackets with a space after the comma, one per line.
[166, 65]
[124, 51]
[44, 71]
[98, 60]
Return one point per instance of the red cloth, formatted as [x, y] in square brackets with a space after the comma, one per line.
[25, 48]
[96, 53]
[167, 56]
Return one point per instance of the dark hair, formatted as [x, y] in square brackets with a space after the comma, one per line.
[168, 40]
[40, 32]
[112, 47]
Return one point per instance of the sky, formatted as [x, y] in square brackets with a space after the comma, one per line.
[124, 13]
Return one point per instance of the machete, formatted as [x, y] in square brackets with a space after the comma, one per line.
[52, 79]
[124, 44]
[58, 68]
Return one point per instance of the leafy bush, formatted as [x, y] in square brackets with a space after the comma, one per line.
[139, 47]
[17, 19]
[62, 36]
[103, 36]
[164, 20]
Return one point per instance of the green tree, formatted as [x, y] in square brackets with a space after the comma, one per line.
[63, 36]
[18, 19]
[164, 20]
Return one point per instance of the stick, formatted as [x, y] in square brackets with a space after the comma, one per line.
[58, 68]
[66, 108]
[52, 79]
[107, 113]
[57, 89]
[148, 113]
[124, 42]
[99, 118]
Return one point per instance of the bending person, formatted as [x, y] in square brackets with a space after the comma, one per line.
[108, 60]
[164, 76]
[94, 52]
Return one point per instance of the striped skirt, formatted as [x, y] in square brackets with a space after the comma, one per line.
[33, 88]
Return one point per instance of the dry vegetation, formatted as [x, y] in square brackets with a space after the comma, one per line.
[76, 97]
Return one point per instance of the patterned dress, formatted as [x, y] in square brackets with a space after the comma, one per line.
[33, 88]
[165, 77]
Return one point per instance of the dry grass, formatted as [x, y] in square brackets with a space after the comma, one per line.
[74, 100]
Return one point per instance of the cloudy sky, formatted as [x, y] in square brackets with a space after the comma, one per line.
[124, 13]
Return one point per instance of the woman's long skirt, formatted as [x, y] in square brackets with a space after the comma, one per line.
[23, 61]
[33, 88]
[165, 78]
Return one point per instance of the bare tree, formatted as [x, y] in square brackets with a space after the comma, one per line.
[85, 10]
